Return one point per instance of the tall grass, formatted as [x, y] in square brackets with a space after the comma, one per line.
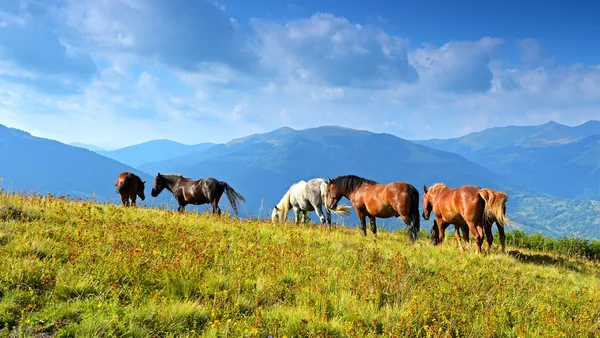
[72, 268]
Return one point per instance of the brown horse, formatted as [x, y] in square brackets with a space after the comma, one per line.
[466, 206]
[458, 206]
[188, 191]
[129, 185]
[372, 199]
[495, 212]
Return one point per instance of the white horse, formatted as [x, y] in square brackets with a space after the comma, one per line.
[306, 196]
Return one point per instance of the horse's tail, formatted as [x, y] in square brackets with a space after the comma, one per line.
[285, 205]
[233, 196]
[495, 206]
[341, 209]
[124, 185]
[414, 220]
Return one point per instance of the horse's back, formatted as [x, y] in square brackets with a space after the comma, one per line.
[471, 203]
[122, 176]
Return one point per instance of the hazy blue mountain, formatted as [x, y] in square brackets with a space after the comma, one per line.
[190, 159]
[37, 164]
[86, 146]
[552, 158]
[571, 170]
[492, 139]
[153, 151]
[263, 166]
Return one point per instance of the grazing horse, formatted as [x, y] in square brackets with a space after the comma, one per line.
[372, 199]
[128, 185]
[304, 197]
[188, 191]
[467, 206]
[495, 211]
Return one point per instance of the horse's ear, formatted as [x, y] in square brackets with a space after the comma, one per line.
[144, 182]
[276, 208]
[424, 188]
[158, 175]
[328, 180]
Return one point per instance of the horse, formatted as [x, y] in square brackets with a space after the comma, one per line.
[467, 206]
[494, 199]
[197, 192]
[372, 199]
[303, 197]
[128, 185]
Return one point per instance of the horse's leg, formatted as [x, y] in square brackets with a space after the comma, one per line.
[319, 212]
[215, 207]
[441, 229]
[475, 229]
[502, 236]
[124, 200]
[457, 237]
[296, 215]
[133, 200]
[363, 221]
[373, 225]
[488, 235]
[328, 213]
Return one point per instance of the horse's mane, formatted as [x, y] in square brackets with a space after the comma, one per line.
[436, 187]
[349, 183]
[172, 178]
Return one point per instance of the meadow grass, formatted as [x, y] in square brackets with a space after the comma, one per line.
[83, 269]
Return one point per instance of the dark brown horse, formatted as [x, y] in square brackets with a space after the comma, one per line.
[129, 185]
[469, 208]
[372, 199]
[188, 191]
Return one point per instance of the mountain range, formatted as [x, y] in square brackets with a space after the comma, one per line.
[559, 160]
[152, 151]
[263, 166]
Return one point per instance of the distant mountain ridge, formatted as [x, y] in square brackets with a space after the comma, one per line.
[551, 158]
[545, 135]
[153, 151]
[87, 146]
[42, 165]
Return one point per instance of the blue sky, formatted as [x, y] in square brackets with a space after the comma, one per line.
[119, 72]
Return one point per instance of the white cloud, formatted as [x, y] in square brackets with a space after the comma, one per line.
[329, 50]
[457, 66]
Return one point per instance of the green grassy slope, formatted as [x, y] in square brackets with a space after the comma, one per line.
[83, 269]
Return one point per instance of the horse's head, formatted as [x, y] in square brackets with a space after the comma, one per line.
[334, 194]
[159, 185]
[275, 214]
[427, 204]
[141, 188]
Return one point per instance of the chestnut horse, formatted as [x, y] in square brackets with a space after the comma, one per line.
[469, 208]
[372, 199]
[128, 185]
[188, 191]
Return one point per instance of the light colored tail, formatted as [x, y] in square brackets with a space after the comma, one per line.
[495, 206]
[341, 209]
[284, 205]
